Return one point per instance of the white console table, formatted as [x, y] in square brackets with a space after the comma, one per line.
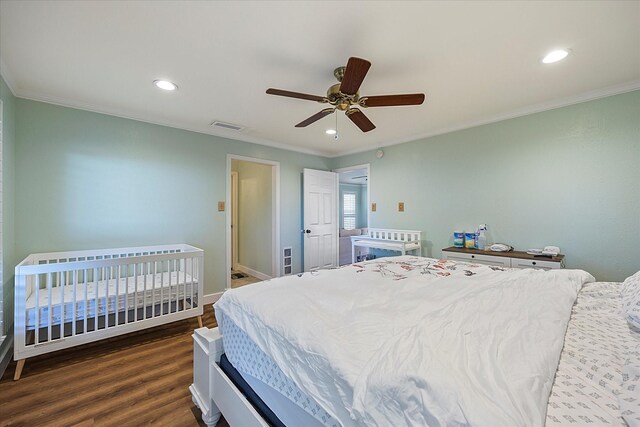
[391, 240]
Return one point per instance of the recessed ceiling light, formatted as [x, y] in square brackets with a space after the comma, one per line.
[555, 56]
[330, 131]
[165, 84]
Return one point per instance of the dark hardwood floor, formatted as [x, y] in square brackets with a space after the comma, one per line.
[137, 379]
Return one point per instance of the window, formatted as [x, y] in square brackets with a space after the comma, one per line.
[349, 211]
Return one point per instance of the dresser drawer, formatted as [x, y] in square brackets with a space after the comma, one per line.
[537, 264]
[478, 259]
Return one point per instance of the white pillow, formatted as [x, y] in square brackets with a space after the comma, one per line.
[631, 299]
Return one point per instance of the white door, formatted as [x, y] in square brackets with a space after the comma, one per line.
[320, 192]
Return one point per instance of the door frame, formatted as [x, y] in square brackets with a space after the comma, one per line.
[234, 220]
[275, 214]
[366, 166]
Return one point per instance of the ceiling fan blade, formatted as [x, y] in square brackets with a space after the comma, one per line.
[358, 117]
[298, 95]
[315, 117]
[354, 74]
[392, 100]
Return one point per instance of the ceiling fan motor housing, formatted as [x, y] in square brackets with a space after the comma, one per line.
[339, 99]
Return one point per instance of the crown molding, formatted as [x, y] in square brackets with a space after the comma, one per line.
[537, 108]
[95, 109]
[532, 109]
[7, 76]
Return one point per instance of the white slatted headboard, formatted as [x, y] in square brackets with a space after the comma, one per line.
[395, 235]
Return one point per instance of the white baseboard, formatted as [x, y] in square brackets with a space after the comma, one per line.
[252, 272]
[211, 298]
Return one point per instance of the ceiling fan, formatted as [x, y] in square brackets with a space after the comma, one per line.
[344, 96]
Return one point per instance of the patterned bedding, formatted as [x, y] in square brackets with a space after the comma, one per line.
[589, 379]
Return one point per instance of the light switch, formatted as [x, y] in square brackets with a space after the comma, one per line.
[220, 206]
[374, 207]
[400, 206]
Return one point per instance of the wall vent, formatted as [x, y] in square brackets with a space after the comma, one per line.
[227, 126]
[287, 258]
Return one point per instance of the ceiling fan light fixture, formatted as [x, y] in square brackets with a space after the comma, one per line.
[165, 85]
[330, 131]
[555, 56]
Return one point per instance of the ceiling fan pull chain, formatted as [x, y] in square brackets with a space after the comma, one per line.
[336, 135]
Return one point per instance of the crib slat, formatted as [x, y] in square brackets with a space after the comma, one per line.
[85, 300]
[161, 288]
[176, 265]
[184, 281]
[162, 311]
[116, 307]
[135, 292]
[172, 268]
[191, 274]
[170, 287]
[175, 270]
[153, 293]
[61, 286]
[126, 294]
[49, 290]
[37, 337]
[74, 274]
[171, 296]
[195, 266]
[105, 277]
[96, 300]
[144, 283]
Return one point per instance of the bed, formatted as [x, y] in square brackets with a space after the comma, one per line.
[379, 368]
[64, 299]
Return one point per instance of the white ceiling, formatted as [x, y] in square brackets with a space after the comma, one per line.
[476, 61]
[354, 176]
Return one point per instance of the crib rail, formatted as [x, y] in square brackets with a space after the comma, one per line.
[70, 298]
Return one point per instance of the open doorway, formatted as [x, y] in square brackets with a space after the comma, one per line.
[253, 220]
[354, 186]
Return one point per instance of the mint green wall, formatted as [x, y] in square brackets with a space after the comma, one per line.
[9, 258]
[568, 177]
[361, 192]
[362, 212]
[87, 180]
[254, 215]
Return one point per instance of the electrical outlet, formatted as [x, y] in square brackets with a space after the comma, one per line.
[374, 207]
[400, 206]
[220, 206]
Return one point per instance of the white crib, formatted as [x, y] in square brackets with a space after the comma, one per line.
[64, 299]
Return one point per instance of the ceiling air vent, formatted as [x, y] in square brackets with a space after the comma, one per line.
[227, 126]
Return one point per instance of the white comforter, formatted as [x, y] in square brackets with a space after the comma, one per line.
[415, 341]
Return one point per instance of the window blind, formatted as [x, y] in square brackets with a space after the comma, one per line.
[349, 211]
